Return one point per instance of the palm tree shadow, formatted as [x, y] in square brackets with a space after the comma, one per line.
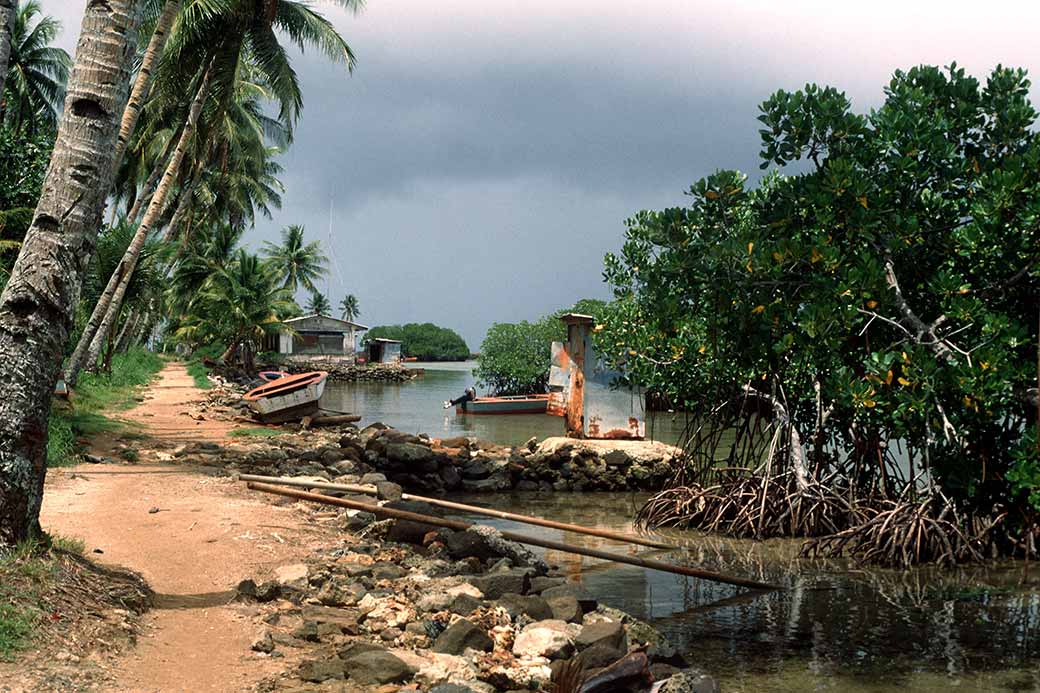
[202, 600]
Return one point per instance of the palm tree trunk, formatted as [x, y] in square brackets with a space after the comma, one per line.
[143, 329]
[183, 204]
[111, 300]
[38, 304]
[127, 331]
[146, 189]
[143, 83]
[8, 11]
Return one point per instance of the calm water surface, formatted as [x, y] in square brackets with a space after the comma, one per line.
[418, 407]
[832, 628]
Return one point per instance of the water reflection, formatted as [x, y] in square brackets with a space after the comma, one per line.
[418, 407]
[834, 627]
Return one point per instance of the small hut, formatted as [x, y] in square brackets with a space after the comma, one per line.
[382, 350]
[319, 335]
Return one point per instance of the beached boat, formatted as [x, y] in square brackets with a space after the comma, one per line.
[268, 376]
[513, 404]
[288, 398]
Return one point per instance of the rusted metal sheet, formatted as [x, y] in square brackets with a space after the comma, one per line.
[593, 405]
[610, 411]
[560, 374]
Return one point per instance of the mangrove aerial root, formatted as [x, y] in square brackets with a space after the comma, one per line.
[900, 534]
[752, 506]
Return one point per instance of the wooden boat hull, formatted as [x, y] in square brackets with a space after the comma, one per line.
[521, 404]
[289, 398]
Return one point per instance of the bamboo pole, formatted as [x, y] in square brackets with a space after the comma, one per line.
[475, 509]
[513, 536]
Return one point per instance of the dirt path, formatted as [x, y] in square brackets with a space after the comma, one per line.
[192, 537]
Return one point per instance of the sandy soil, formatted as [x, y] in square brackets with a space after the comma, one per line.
[192, 537]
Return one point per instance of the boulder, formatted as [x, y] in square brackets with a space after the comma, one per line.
[461, 636]
[582, 595]
[552, 639]
[292, 575]
[564, 607]
[496, 482]
[377, 667]
[388, 491]
[464, 605]
[318, 670]
[531, 606]
[263, 642]
[450, 476]
[658, 648]
[487, 543]
[408, 453]
[494, 585]
[610, 633]
[408, 531]
[599, 656]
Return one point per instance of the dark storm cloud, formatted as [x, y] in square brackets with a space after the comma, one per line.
[484, 155]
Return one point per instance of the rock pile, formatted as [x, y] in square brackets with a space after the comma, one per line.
[427, 466]
[462, 612]
[349, 372]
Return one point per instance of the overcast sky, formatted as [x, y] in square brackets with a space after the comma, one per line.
[483, 156]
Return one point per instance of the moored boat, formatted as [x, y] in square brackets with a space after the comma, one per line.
[288, 398]
[511, 404]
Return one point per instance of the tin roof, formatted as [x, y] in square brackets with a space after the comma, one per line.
[327, 321]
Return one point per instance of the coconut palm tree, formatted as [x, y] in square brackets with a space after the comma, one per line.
[318, 304]
[237, 307]
[206, 52]
[8, 10]
[299, 264]
[37, 304]
[348, 307]
[37, 71]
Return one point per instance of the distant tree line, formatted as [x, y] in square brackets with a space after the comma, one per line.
[514, 357]
[425, 341]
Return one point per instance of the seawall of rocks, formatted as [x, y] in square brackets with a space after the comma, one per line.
[349, 372]
[425, 465]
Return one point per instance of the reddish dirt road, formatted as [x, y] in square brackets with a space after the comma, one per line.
[192, 537]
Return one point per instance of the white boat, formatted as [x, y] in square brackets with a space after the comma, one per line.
[289, 398]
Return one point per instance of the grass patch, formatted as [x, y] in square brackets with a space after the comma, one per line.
[24, 573]
[95, 393]
[50, 596]
[197, 369]
[256, 432]
[199, 372]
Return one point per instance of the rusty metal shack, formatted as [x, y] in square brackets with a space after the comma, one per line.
[382, 350]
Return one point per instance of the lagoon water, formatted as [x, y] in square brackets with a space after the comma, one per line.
[833, 626]
[418, 407]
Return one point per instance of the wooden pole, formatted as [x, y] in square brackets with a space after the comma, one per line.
[513, 536]
[475, 509]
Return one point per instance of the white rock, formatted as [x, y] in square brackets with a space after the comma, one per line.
[292, 574]
[550, 638]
